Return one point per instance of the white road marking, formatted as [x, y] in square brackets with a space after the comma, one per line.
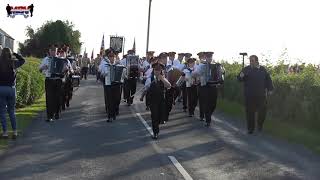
[180, 168]
[173, 159]
[145, 123]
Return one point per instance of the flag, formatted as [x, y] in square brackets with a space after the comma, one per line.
[85, 51]
[102, 46]
[92, 54]
[134, 45]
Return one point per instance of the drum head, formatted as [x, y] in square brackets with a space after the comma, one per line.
[173, 76]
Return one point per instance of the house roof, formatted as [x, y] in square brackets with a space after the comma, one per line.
[6, 34]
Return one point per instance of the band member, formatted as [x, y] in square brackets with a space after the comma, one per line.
[191, 86]
[118, 85]
[130, 83]
[66, 89]
[84, 64]
[202, 62]
[53, 86]
[97, 62]
[148, 74]
[257, 85]
[147, 70]
[157, 86]
[111, 89]
[172, 61]
[208, 93]
[183, 87]
[169, 93]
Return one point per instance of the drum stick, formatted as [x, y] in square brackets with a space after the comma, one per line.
[137, 92]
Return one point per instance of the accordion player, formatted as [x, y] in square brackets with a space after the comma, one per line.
[113, 78]
[130, 84]
[54, 69]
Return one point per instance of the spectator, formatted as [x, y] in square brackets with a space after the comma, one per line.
[8, 68]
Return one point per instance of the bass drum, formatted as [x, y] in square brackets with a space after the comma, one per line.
[173, 76]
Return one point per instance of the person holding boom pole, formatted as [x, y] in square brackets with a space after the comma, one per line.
[257, 85]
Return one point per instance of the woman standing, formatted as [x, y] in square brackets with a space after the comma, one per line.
[8, 90]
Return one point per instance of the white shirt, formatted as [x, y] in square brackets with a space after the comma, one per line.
[174, 63]
[200, 72]
[145, 64]
[123, 61]
[188, 78]
[105, 71]
[45, 62]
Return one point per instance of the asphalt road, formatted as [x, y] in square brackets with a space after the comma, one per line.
[82, 145]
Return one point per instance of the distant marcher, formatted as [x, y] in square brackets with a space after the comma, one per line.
[8, 8]
[257, 85]
[31, 9]
[8, 68]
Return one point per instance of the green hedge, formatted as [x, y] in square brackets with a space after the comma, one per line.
[30, 82]
[296, 98]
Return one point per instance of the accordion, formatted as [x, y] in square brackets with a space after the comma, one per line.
[115, 75]
[56, 66]
[133, 66]
[215, 73]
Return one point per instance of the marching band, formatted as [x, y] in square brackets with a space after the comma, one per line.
[165, 79]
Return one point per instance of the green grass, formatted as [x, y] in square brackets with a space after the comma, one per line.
[300, 135]
[24, 118]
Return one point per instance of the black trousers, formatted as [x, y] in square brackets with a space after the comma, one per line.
[192, 94]
[158, 114]
[111, 94]
[53, 96]
[118, 89]
[98, 74]
[130, 89]
[253, 105]
[84, 72]
[169, 99]
[67, 90]
[148, 99]
[208, 101]
[184, 96]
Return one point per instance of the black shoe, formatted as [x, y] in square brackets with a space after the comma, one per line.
[67, 104]
[155, 136]
[201, 119]
[250, 132]
[57, 116]
[190, 115]
[207, 125]
[109, 120]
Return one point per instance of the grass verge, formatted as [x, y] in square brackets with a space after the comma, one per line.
[300, 135]
[24, 118]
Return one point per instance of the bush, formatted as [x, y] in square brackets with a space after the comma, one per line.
[296, 96]
[30, 82]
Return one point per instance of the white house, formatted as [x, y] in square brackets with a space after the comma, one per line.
[6, 40]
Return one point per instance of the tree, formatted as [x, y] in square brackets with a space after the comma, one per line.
[57, 32]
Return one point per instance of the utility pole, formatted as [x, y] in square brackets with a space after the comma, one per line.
[148, 26]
